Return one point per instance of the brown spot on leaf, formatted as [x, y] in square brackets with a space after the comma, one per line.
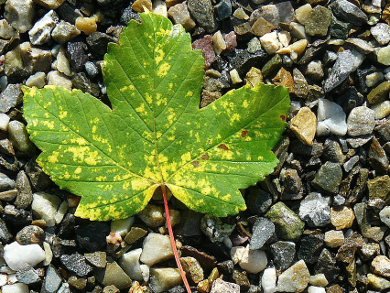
[195, 163]
[243, 133]
[204, 157]
[283, 117]
[223, 146]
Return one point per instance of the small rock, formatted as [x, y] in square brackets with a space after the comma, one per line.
[261, 27]
[346, 252]
[98, 258]
[62, 63]
[333, 151]
[203, 12]
[18, 256]
[328, 177]
[381, 266]
[52, 280]
[284, 78]
[64, 32]
[253, 261]
[15, 288]
[315, 289]
[270, 42]
[361, 121]
[384, 215]
[19, 137]
[379, 93]
[77, 283]
[10, 97]
[348, 11]
[383, 55]
[162, 279]
[263, 230]
[45, 206]
[206, 45]
[131, 265]
[374, 233]
[304, 125]
[315, 210]
[77, 55]
[301, 87]
[220, 286]
[253, 77]
[342, 217]
[235, 77]
[326, 264]
[31, 234]
[76, 263]
[377, 157]
[41, 31]
[374, 78]
[114, 275]
[381, 110]
[314, 70]
[381, 33]
[38, 80]
[268, 280]
[241, 279]
[302, 13]
[360, 45]
[370, 250]
[4, 121]
[156, 248]
[272, 66]
[35, 59]
[5, 235]
[140, 5]
[192, 268]
[347, 62]
[310, 247]
[334, 238]
[28, 275]
[294, 279]
[318, 21]
[223, 9]
[180, 15]
[6, 30]
[288, 225]
[283, 254]
[274, 13]
[331, 119]
[20, 14]
[318, 280]
[377, 282]
[92, 236]
[86, 25]
[58, 79]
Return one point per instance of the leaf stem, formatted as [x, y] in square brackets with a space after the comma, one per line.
[171, 237]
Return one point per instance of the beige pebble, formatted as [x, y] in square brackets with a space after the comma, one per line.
[334, 238]
[318, 280]
[304, 125]
[87, 25]
[140, 5]
[270, 42]
[302, 13]
[253, 76]
[342, 217]
[381, 110]
[219, 44]
[235, 76]
[377, 282]
[381, 266]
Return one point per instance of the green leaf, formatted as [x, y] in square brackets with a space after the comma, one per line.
[155, 134]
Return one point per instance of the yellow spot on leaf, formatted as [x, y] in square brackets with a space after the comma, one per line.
[53, 158]
[78, 170]
[160, 55]
[63, 114]
[164, 69]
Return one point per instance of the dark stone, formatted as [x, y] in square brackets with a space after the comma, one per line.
[207, 262]
[77, 55]
[30, 234]
[332, 151]
[326, 264]
[377, 157]
[77, 283]
[283, 253]
[52, 280]
[316, 150]
[312, 51]
[9, 163]
[223, 9]
[226, 267]
[11, 97]
[263, 230]
[339, 29]
[346, 252]
[128, 14]
[243, 61]
[202, 12]
[258, 201]
[15, 218]
[66, 229]
[329, 57]
[76, 263]
[68, 13]
[6, 183]
[272, 66]
[5, 235]
[81, 81]
[190, 224]
[310, 248]
[292, 184]
[241, 279]
[349, 12]
[350, 99]
[328, 177]
[93, 235]
[24, 197]
[39, 179]
[98, 41]
[361, 78]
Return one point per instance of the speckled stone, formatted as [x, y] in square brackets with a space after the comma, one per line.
[294, 279]
[381, 266]
[318, 21]
[342, 217]
[304, 125]
[361, 121]
[328, 177]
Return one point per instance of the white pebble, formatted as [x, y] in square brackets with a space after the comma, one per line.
[122, 227]
[270, 43]
[295, 278]
[4, 121]
[384, 215]
[45, 206]
[157, 248]
[331, 118]
[314, 289]
[3, 279]
[320, 280]
[48, 254]
[235, 77]
[61, 212]
[130, 264]
[15, 288]
[268, 281]
[17, 256]
[40, 32]
[252, 261]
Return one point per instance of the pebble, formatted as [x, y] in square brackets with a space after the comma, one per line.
[288, 225]
[20, 14]
[314, 70]
[4, 121]
[377, 157]
[114, 275]
[374, 78]
[56, 78]
[15, 288]
[381, 33]
[274, 13]
[40, 33]
[223, 9]
[301, 87]
[377, 282]
[268, 280]
[295, 278]
[18, 256]
[347, 62]
[272, 66]
[314, 209]
[270, 42]
[203, 12]
[310, 247]
[131, 265]
[206, 45]
[384, 215]
[19, 137]
[77, 55]
[263, 230]
[180, 15]
[383, 55]
[381, 110]
[192, 268]
[162, 279]
[156, 248]
[302, 13]
[342, 217]
[140, 5]
[334, 238]
[361, 121]
[52, 280]
[348, 11]
[76, 263]
[10, 97]
[381, 266]
[5, 235]
[98, 258]
[283, 254]
[318, 280]
[326, 264]
[6, 30]
[331, 119]
[318, 21]
[261, 27]
[252, 261]
[333, 152]
[45, 206]
[92, 236]
[315, 289]
[31, 234]
[304, 125]
[29, 275]
[64, 32]
[374, 233]
[360, 45]
[35, 59]
[284, 78]
[221, 286]
[38, 80]
[87, 25]
[328, 177]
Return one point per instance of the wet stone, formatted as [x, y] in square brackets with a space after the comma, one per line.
[287, 223]
[76, 263]
[30, 235]
[6, 183]
[310, 248]
[263, 230]
[315, 210]
[328, 177]
[347, 11]
[318, 21]
[203, 13]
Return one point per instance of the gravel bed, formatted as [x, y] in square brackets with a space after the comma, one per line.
[318, 223]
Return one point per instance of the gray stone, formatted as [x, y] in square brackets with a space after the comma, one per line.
[318, 21]
[223, 9]
[97, 42]
[24, 196]
[331, 119]
[347, 62]
[361, 121]
[11, 97]
[220, 286]
[328, 177]
[52, 280]
[301, 87]
[180, 15]
[259, 201]
[64, 32]
[274, 13]
[5, 235]
[13, 66]
[6, 183]
[288, 225]
[38, 80]
[314, 70]
[114, 275]
[283, 253]
[28, 275]
[41, 31]
[202, 11]
[333, 152]
[377, 157]
[348, 165]
[349, 12]
[314, 209]
[292, 184]
[82, 82]
[326, 264]
[20, 14]
[77, 54]
[76, 263]
[381, 33]
[263, 230]
[98, 258]
[35, 59]
[19, 137]
[310, 247]
[329, 57]
[360, 45]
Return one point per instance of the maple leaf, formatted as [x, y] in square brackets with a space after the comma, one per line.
[155, 134]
